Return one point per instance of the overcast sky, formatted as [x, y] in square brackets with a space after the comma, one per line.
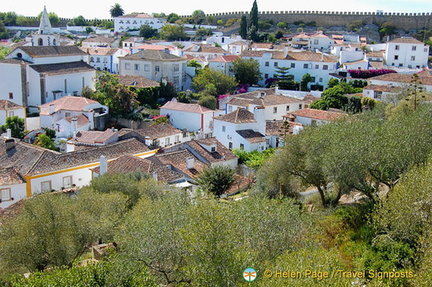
[100, 8]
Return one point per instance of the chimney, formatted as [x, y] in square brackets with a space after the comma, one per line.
[51, 109]
[260, 119]
[147, 141]
[10, 144]
[103, 165]
[285, 51]
[155, 175]
[8, 133]
[190, 162]
[74, 127]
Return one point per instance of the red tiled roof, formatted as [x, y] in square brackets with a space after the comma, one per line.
[220, 154]
[81, 120]
[93, 136]
[8, 105]
[238, 116]
[10, 176]
[69, 103]
[156, 131]
[318, 114]
[406, 40]
[251, 136]
[225, 58]
[137, 81]
[425, 78]
[189, 108]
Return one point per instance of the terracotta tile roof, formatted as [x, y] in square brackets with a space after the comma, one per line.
[239, 43]
[99, 39]
[255, 98]
[136, 16]
[425, 78]
[275, 128]
[152, 55]
[262, 45]
[308, 56]
[383, 88]
[22, 157]
[189, 108]
[177, 160]
[137, 81]
[130, 164]
[10, 176]
[154, 47]
[158, 131]
[49, 51]
[221, 153]
[376, 65]
[8, 105]
[100, 51]
[238, 116]
[375, 54]
[318, 114]
[309, 99]
[69, 103]
[93, 137]
[14, 61]
[225, 58]
[49, 162]
[81, 120]
[251, 136]
[62, 68]
[204, 48]
[406, 40]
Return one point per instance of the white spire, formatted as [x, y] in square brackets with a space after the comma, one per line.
[45, 24]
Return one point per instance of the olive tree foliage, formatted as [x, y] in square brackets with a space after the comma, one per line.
[247, 71]
[202, 241]
[54, 229]
[216, 180]
[222, 83]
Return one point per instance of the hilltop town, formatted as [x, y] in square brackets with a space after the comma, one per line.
[149, 123]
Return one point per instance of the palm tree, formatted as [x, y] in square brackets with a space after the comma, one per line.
[116, 10]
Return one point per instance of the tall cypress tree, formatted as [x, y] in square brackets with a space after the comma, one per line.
[243, 27]
[253, 22]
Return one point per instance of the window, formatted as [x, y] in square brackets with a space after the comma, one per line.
[97, 60]
[167, 142]
[275, 110]
[230, 145]
[267, 64]
[177, 139]
[176, 80]
[312, 79]
[223, 129]
[10, 96]
[46, 186]
[11, 114]
[241, 146]
[127, 66]
[146, 67]
[5, 194]
[414, 48]
[377, 95]
[67, 181]
[300, 106]
[230, 108]
[67, 114]
[136, 67]
[105, 60]
[275, 64]
[397, 47]
[316, 66]
[320, 80]
[265, 76]
[91, 59]
[412, 58]
[396, 57]
[176, 67]
[425, 50]
[305, 66]
[157, 69]
[292, 65]
[325, 67]
[287, 108]
[316, 42]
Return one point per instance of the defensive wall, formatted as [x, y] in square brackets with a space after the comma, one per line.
[325, 19]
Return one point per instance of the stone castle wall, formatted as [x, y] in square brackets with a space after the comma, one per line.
[400, 20]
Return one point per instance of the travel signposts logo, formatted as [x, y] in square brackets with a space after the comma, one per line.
[249, 274]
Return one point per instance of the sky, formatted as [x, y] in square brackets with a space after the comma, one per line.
[91, 9]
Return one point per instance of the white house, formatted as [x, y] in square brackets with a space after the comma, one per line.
[242, 129]
[207, 51]
[98, 42]
[72, 114]
[36, 169]
[129, 22]
[407, 53]
[309, 116]
[321, 42]
[162, 135]
[157, 66]
[34, 75]
[91, 139]
[190, 117]
[223, 64]
[275, 106]
[10, 109]
[106, 59]
[318, 65]
[237, 47]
